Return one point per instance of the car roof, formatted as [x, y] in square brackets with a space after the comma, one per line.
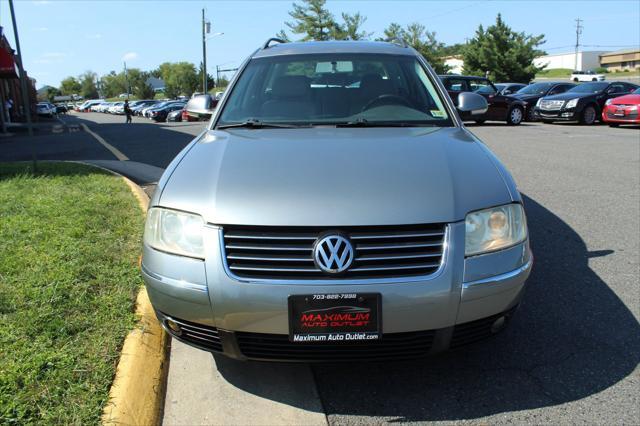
[342, 46]
[465, 77]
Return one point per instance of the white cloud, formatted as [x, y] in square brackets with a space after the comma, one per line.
[130, 56]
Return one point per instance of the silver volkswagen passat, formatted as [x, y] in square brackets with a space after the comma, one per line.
[336, 209]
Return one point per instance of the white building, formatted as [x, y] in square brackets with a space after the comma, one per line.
[586, 60]
[455, 64]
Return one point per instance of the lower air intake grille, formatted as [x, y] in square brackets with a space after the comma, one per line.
[391, 346]
[202, 336]
[474, 331]
[379, 252]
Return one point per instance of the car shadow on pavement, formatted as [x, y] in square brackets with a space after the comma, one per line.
[571, 338]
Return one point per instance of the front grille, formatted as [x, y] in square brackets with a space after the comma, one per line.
[202, 336]
[391, 346]
[379, 252]
[626, 116]
[551, 105]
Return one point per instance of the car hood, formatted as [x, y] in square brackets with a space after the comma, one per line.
[627, 100]
[329, 177]
[526, 97]
[568, 96]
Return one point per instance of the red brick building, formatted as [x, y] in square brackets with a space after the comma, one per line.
[10, 84]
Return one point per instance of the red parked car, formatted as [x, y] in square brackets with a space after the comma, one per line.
[623, 109]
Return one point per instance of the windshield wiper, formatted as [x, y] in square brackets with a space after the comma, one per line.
[257, 124]
[363, 122]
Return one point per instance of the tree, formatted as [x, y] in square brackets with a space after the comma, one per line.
[113, 84]
[507, 55]
[180, 78]
[210, 80]
[282, 35]
[88, 87]
[350, 29]
[425, 42]
[70, 86]
[312, 20]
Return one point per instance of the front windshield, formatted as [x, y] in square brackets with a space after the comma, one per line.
[596, 87]
[334, 89]
[535, 89]
[637, 91]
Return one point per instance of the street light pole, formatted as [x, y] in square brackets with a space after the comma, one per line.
[204, 54]
[23, 77]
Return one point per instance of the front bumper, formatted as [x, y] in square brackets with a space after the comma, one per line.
[630, 116]
[249, 320]
[556, 115]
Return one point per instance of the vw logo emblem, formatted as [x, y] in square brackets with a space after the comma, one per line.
[333, 254]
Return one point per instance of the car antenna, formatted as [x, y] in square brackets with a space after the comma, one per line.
[268, 42]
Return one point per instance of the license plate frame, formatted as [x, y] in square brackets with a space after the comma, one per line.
[335, 317]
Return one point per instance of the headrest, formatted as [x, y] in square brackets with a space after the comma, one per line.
[291, 86]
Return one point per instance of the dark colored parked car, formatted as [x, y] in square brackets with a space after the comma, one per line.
[501, 107]
[160, 114]
[200, 106]
[509, 88]
[533, 92]
[175, 115]
[583, 103]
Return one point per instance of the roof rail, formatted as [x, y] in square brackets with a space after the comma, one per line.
[266, 43]
[399, 42]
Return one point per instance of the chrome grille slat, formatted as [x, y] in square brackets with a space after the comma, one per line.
[286, 253]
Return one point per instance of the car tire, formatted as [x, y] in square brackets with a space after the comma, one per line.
[576, 80]
[480, 121]
[588, 115]
[594, 79]
[531, 115]
[515, 116]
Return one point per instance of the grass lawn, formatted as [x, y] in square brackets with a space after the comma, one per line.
[566, 73]
[70, 238]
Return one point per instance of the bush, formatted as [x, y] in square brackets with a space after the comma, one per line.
[601, 70]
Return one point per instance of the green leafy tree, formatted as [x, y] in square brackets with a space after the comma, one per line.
[282, 35]
[312, 20]
[180, 78]
[417, 36]
[113, 84]
[88, 87]
[505, 54]
[211, 82]
[70, 86]
[351, 28]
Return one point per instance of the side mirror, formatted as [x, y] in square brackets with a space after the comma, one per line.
[472, 103]
[507, 92]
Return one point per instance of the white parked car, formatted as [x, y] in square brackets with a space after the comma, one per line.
[586, 76]
[46, 109]
[114, 107]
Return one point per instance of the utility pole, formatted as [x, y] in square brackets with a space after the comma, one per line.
[23, 77]
[579, 27]
[205, 30]
[217, 75]
[126, 76]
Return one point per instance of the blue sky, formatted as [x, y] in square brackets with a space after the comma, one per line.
[62, 38]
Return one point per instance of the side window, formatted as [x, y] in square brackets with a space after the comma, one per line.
[617, 88]
[454, 84]
[482, 86]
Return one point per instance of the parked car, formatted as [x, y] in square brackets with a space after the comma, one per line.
[509, 88]
[579, 76]
[200, 107]
[138, 107]
[176, 115]
[45, 109]
[583, 103]
[61, 109]
[533, 92]
[147, 111]
[501, 107]
[160, 114]
[86, 105]
[622, 110]
[114, 106]
[344, 221]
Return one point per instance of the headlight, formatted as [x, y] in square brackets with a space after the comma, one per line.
[608, 101]
[174, 232]
[538, 103]
[494, 229]
[572, 103]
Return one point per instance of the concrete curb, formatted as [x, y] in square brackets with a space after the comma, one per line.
[137, 393]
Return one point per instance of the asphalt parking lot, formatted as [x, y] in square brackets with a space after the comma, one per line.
[570, 356]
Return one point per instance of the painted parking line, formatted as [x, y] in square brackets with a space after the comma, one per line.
[115, 151]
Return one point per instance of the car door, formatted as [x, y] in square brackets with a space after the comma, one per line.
[497, 103]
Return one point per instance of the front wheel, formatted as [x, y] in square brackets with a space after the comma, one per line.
[588, 115]
[515, 116]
